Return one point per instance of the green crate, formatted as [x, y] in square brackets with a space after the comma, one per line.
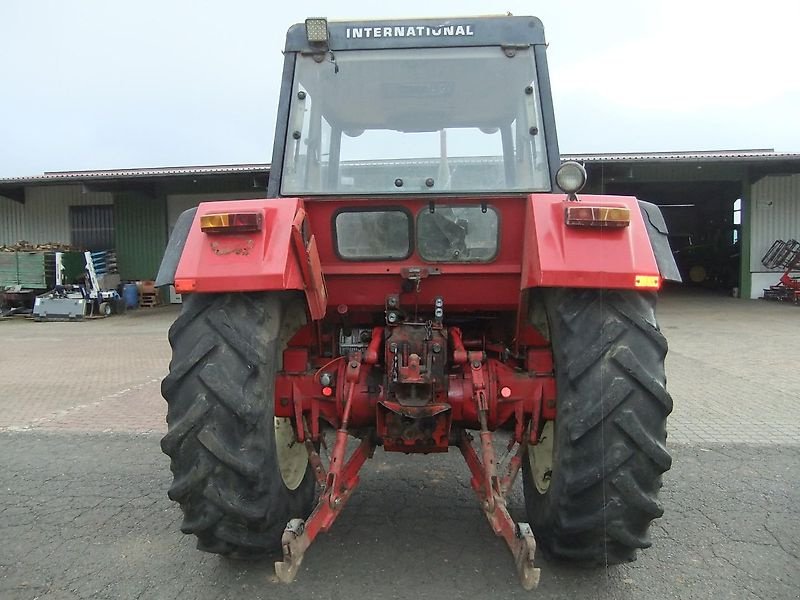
[23, 268]
[31, 272]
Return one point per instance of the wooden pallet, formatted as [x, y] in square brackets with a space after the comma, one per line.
[149, 300]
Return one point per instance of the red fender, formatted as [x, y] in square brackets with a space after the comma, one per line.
[276, 257]
[558, 255]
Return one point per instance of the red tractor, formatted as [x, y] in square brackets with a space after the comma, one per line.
[413, 275]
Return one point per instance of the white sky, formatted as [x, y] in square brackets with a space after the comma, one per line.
[101, 84]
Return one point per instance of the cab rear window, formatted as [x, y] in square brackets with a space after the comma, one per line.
[373, 234]
[457, 234]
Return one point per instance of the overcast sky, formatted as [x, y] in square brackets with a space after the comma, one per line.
[110, 84]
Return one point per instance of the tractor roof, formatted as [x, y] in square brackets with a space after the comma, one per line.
[423, 33]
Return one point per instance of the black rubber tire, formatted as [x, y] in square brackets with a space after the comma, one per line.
[609, 446]
[226, 350]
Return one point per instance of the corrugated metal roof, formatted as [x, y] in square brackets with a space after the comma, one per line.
[740, 156]
[63, 176]
[689, 156]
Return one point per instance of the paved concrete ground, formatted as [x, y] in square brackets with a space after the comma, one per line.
[733, 369]
[84, 512]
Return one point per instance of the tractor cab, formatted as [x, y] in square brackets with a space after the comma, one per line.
[425, 108]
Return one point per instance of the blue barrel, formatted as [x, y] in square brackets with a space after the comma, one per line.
[130, 293]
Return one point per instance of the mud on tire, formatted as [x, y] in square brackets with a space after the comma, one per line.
[221, 440]
[609, 438]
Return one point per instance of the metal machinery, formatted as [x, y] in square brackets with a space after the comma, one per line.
[784, 255]
[74, 301]
[413, 276]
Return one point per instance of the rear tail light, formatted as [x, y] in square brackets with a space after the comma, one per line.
[231, 222]
[597, 216]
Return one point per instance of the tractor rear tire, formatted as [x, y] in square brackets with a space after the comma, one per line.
[221, 434]
[594, 501]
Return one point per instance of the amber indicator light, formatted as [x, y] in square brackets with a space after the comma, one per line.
[647, 281]
[597, 216]
[231, 222]
[185, 286]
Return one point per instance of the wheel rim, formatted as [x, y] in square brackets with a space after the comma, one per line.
[697, 274]
[540, 457]
[292, 456]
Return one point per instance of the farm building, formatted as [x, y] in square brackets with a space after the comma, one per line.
[724, 209]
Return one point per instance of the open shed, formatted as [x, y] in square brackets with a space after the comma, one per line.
[724, 208]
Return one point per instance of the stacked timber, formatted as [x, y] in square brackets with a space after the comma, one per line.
[24, 246]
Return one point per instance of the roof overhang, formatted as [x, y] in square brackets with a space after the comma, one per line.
[721, 164]
[708, 156]
[147, 180]
[714, 165]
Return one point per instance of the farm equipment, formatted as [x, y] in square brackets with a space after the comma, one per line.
[415, 275]
[74, 301]
[26, 270]
[784, 255]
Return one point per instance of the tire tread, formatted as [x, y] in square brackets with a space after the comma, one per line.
[220, 434]
[610, 444]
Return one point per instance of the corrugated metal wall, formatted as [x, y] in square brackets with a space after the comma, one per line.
[140, 227]
[92, 226]
[141, 222]
[775, 216]
[45, 215]
[12, 216]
